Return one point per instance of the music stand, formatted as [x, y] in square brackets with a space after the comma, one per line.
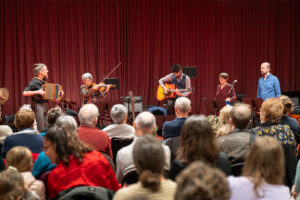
[112, 81]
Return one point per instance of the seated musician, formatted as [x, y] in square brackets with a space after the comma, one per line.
[180, 80]
[34, 89]
[91, 91]
[224, 88]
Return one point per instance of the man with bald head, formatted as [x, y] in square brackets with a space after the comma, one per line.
[87, 131]
[268, 85]
[144, 123]
[237, 142]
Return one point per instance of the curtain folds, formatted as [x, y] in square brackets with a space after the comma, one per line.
[76, 36]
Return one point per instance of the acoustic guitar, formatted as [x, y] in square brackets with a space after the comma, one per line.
[160, 96]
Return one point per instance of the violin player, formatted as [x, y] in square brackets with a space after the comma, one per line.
[91, 91]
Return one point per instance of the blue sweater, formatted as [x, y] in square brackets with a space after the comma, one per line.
[28, 138]
[172, 128]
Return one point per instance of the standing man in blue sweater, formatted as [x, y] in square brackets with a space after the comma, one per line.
[268, 84]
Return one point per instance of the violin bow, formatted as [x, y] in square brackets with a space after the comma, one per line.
[111, 72]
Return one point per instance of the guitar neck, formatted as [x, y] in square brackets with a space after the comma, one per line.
[180, 90]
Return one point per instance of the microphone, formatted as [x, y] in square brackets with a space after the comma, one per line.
[233, 83]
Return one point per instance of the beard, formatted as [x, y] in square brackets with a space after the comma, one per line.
[264, 73]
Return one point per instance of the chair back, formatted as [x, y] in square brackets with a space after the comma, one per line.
[117, 144]
[236, 169]
[173, 143]
[86, 193]
[130, 178]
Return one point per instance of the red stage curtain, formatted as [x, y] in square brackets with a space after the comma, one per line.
[76, 36]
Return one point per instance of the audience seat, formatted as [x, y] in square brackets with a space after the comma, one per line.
[130, 178]
[173, 144]
[86, 193]
[236, 169]
[117, 144]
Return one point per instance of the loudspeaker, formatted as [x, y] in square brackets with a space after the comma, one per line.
[138, 103]
[191, 71]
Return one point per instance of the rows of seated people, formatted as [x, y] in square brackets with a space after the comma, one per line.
[214, 157]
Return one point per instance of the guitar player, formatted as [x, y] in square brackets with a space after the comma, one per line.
[180, 80]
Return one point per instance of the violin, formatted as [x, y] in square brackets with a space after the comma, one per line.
[103, 86]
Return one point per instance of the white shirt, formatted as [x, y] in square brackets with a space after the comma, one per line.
[120, 131]
[125, 163]
[242, 189]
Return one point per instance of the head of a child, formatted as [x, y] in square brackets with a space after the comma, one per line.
[20, 158]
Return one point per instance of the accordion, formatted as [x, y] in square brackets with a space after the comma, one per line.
[52, 91]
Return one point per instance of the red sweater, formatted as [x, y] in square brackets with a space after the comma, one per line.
[96, 138]
[223, 93]
[93, 171]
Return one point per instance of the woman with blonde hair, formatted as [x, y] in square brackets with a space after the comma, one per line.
[225, 127]
[286, 119]
[21, 158]
[262, 175]
[270, 115]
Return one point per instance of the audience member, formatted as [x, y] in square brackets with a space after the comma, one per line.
[5, 131]
[87, 131]
[215, 123]
[225, 127]
[237, 142]
[12, 186]
[144, 124]
[119, 129]
[67, 122]
[199, 181]
[43, 163]
[149, 159]
[51, 117]
[26, 136]
[172, 128]
[21, 158]
[77, 163]
[296, 187]
[262, 176]
[270, 116]
[285, 119]
[197, 142]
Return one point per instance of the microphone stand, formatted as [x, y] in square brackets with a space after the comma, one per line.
[232, 86]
